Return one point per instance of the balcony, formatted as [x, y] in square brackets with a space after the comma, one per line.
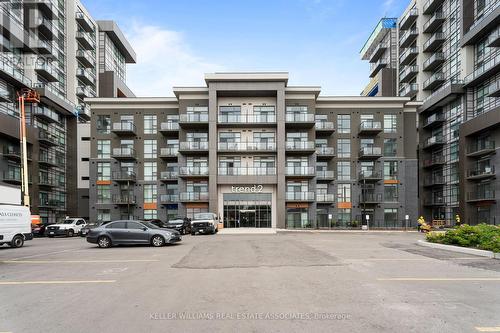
[408, 56]
[494, 89]
[45, 27]
[326, 127]
[481, 196]
[481, 173]
[434, 22]
[300, 171]
[434, 180]
[430, 6]
[377, 66]
[194, 197]
[247, 171]
[434, 201]
[436, 80]
[194, 171]
[409, 90]
[369, 127]
[193, 119]
[169, 127]
[435, 120]
[435, 42]
[124, 176]
[482, 25]
[483, 72]
[408, 37]
[84, 91]
[435, 161]
[12, 153]
[84, 22]
[494, 39]
[12, 176]
[47, 139]
[124, 128]
[45, 114]
[300, 196]
[300, 147]
[48, 160]
[124, 153]
[325, 198]
[169, 153]
[120, 199]
[481, 148]
[86, 40]
[408, 73]
[42, 46]
[408, 20]
[247, 146]
[433, 141]
[378, 52]
[325, 152]
[325, 175]
[367, 153]
[370, 176]
[86, 75]
[86, 58]
[246, 119]
[300, 119]
[166, 199]
[45, 70]
[45, 6]
[47, 181]
[167, 176]
[370, 198]
[83, 111]
[433, 62]
[193, 147]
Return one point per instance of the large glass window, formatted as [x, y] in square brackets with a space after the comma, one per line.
[103, 124]
[150, 149]
[344, 170]
[103, 194]
[390, 147]
[103, 215]
[390, 170]
[103, 148]
[150, 171]
[344, 193]
[344, 123]
[150, 124]
[103, 171]
[391, 192]
[150, 214]
[150, 193]
[344, 148]
[390, 216]
[390, 123]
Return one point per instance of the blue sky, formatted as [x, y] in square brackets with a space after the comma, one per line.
[317, 41]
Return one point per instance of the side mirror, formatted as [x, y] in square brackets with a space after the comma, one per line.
[144, 229]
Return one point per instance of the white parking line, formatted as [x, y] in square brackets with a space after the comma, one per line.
[10, 283]
[488, 329]
[74, 261]
[441, 279]
[45, 254]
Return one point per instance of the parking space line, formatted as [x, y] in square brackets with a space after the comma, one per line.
[488, 329]
[45, 254]
[441, 279]
[411, 259]
[7, 283]
[75, 261]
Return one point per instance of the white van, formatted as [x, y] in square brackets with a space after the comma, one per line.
[15, 225]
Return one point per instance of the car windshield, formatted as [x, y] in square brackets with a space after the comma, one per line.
[69, 221]
[175, 221]
[150, 225]
[203, 216]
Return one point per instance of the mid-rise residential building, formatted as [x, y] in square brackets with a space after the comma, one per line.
[51, 47]
[381, 50]
[257, 152]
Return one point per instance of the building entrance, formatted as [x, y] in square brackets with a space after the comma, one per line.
[243, 210]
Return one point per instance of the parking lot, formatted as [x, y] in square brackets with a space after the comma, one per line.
[314, 282]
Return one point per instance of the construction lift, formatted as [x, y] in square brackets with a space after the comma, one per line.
[25, 96]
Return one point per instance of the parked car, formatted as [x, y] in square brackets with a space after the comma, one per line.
[204, 223]
[39, 229]
[85, 230]
[68, 228]
[182, 225]
[15, 225]
[131, 232]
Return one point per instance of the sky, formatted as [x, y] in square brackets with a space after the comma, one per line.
[177, 41]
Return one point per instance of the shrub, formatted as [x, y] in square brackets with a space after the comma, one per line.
[482, 236]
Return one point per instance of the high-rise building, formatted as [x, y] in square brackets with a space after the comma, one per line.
[52, 47]
[258, 153]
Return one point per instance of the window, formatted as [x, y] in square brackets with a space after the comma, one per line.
[103, 148]
[344, 170]
[391, 192]
[344, 148]
[103, 124]
[103, 194]
[150, 214]
[344, 123]
[390, 170]
[390, 123]
[149, 171]
[103, 215]
[150, 149]
[150, 193]
[134, 225]
[344, 193]
[116, 225]
[390, 147]
[390, 216]
[344, 216]
[150, 124]
[103, 171]
[85, 138]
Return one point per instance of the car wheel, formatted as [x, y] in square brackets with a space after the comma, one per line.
[104, 242]
[157, 241]
[17, 241]
[70, 233]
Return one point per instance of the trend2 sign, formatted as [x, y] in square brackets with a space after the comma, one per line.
[247, 189]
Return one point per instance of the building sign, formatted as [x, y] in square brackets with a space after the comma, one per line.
[247, 189]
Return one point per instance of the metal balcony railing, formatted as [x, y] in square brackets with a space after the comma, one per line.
[124, 152]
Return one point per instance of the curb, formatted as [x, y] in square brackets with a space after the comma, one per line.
[466, 250]
[340, 231]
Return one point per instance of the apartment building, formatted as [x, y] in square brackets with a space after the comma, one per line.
[51, 47]
[381, 51]
[257, 152]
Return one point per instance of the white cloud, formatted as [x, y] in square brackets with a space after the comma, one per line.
[387, 5]
[164, 60]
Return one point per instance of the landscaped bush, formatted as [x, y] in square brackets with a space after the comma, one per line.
[482, 236]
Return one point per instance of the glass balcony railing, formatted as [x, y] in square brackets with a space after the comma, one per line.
[169, 198]
[299, 117]
[480, 172]
[193, 145]
[247, 146]
[370, 151]
[169, 175]
[124, 175]
[325, 197]
[370, 126]
[170, 151]
[247, 171]
[325, 174]
[247, 118]
[194, 196]
[124, 152]
[194, 118]
[300, 171]
[169, 126]
[482, 146]
[300, 145]
[124, 127]
[324, 126]
[300, 196]
[193, 171]
[124, 199]
[325, 151]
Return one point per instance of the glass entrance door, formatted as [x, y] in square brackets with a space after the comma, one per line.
[247, 218]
